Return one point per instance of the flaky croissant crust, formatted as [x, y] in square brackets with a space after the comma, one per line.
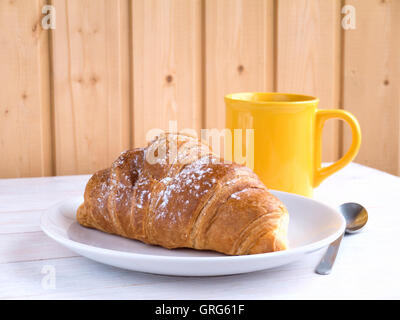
[177, 193]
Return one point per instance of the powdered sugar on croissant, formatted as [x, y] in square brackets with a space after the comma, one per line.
[177, 193]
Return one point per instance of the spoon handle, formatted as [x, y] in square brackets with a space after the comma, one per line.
[327, 261]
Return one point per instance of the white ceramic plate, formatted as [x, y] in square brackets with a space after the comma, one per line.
[312, 226]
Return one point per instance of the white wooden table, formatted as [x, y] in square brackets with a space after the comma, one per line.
[367, 266]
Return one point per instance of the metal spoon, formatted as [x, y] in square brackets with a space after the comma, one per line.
[356, 217]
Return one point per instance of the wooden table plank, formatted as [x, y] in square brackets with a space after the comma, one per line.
[74, 274]
[30, 246]
[20, 221]
[357, 273]
[39, 193]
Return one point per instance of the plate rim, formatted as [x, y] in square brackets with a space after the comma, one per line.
[112, 253]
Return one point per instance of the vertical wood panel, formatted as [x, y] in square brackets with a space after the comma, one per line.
[185, 56]
[91, 83]
[372, 81]
[239, 52]
[308, 57]
[166, 65]
[25, 140]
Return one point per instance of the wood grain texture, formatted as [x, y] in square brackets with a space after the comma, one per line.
[167, 83]
[90, 48]
[308, 57]
[35, 195]
[30, 246]
[372, 82]
[24, 278]
[25, 134]
[20, 221]
[239, 52]
[112, 70]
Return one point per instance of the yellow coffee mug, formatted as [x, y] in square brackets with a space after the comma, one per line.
[287, 137]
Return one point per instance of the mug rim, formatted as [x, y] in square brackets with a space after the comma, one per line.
[293, 98]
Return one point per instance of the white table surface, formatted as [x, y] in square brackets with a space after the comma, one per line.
[367, 266]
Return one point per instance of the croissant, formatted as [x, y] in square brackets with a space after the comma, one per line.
[176, 193]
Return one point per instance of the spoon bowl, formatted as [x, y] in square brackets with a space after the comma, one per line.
[356, 216]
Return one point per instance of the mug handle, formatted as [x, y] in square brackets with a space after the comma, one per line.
[320, 173]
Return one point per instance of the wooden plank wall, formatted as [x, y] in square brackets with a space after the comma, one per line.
[167, 65]
[371, 88]
[90, 59]
[25, 130]
[308, 57]
[74, 97]
[239, 51]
